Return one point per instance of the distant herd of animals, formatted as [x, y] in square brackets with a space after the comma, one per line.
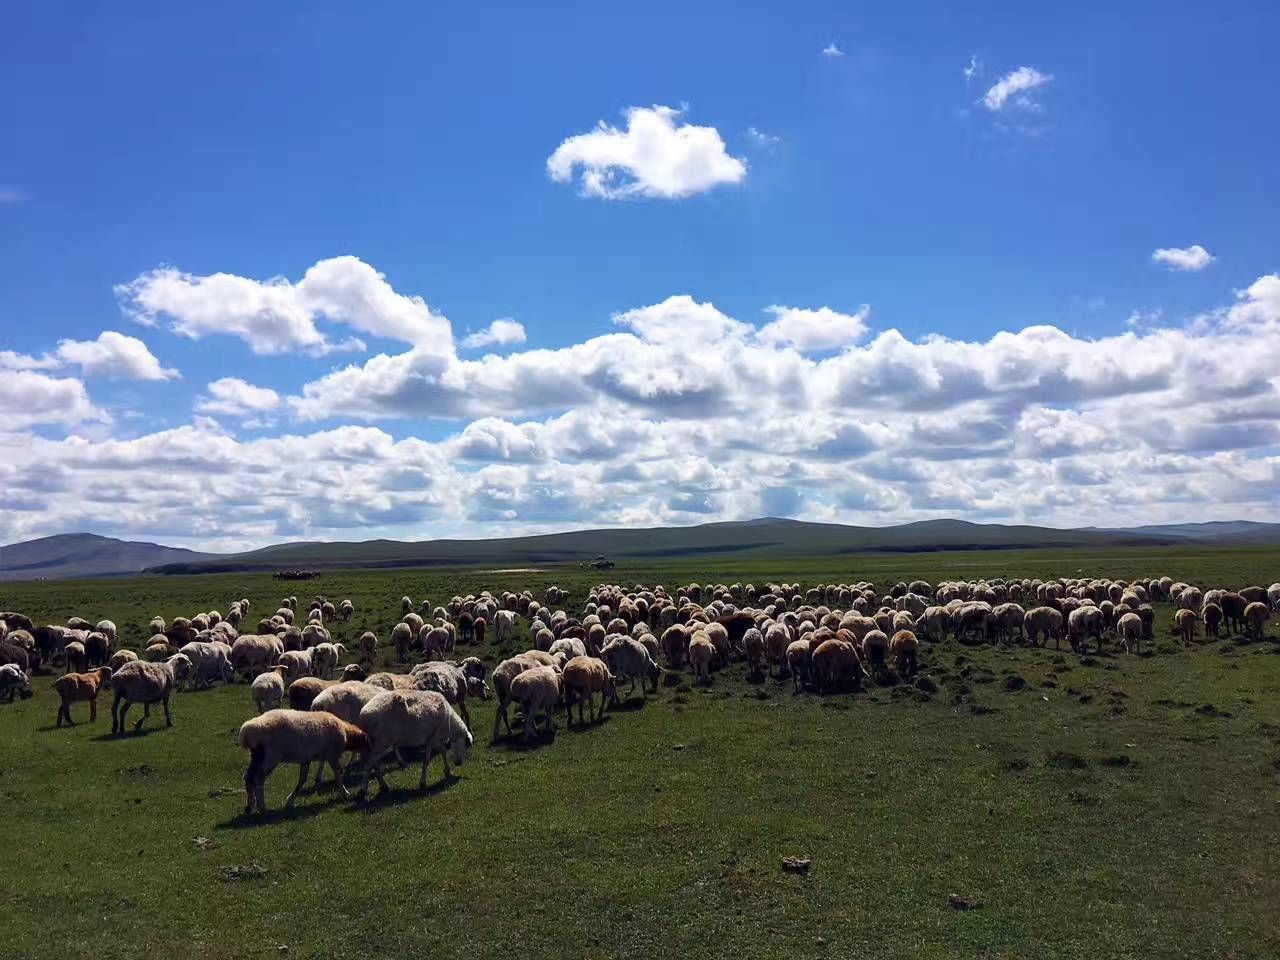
[827, 638]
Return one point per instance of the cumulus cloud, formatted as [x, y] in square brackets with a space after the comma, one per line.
[654, 157]
[28, 398]
[1190, 259]
[811, 330]
[231, 396]
[503, 332]
[1016, 89]
[115, 356]
[278, 316]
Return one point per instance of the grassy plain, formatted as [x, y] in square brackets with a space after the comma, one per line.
[1117, 806]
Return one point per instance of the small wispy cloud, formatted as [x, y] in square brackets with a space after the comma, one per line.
[831, 50]
[972, 69]
[11, 195]
[762, 139]
[1016, 89]
[503, 332]
[1188, 259]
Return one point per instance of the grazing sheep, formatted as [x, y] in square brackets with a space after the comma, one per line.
[108, 630]
[345, 700]
[297, 663]
[402, 639]
[904, 648]
[406, 605]
[504, 625]
[451, 681]
[140, 681]
[325, 657]
[13, 683]
[1256, 616]
[798, 662]
[1129, 630]
[701, 652]
[412, 718]
[304, 690]
[1083, 623]
[1185, 621]
[753, 649]
[368, 646]
[120, 658]
[630, 660]
[570, 646]
[295, 736]
[1273, 596]
[391, 681]
[537, 691]
[583, 678]
[254, 652]
[835, 662]
[1041, 623]
[776, 640]
[210, 663]
[76, 659]
[502, 676]
[18, 655]
[1212, 615]
[436, 641]
[268, 689]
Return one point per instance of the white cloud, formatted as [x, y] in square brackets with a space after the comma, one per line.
[1257, 307]
[28, 398]
[809, 330]
[9, 360]
[831, 50]
[972, 69]
[1016, 89]
[762, 139]
[277, 316]
[503, 332]
[652, 158]
[115, 356]
[1192, 258]
[231, 396]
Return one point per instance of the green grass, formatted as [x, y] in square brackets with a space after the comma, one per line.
[1101, 811]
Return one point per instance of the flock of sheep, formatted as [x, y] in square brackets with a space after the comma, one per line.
[828, 637]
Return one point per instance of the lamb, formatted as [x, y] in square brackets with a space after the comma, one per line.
[13, 682]
[537, 691]
[1129, 629]
[268, 689]
[412, 718]
[583, 678]
[295, 736]
[701, 653]
[629, 659]
[304, 690]
[140, 681]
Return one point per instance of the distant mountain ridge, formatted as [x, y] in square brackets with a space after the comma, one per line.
[87, 555]
[70, 555]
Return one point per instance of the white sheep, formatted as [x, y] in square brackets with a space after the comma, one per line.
[297, 663]
[325, 657]
[210, 662]
[144, 682]
[412, 718]
[268, 689]
[537, 691]
[295, 736]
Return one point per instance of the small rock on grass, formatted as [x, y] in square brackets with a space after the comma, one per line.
[799, 865]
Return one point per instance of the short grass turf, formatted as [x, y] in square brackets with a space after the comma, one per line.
[1116, 806]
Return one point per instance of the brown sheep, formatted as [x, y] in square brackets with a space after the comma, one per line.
[905, 650]
[1185, 620]
[1212, 614]
[77, 688]
[305, 689]
[584, 677]
[1256, 616]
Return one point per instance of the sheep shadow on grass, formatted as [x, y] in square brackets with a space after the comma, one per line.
[397, 796]
[630, 704]
[281, 814]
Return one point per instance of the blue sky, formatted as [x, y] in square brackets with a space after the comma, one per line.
[259, 141]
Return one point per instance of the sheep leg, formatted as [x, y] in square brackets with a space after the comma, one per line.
[426, 762]
[466, 717]
[337, 776]
[124, 709]
[303, 769]
[93, 710]
[146, 712]
[168, 717]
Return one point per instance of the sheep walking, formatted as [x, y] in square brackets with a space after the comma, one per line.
[583, 678]
[144, 682]
[295, 736]
[268, 689]
[13, 683]
[538, 691]
[412, 718]
[80, 688]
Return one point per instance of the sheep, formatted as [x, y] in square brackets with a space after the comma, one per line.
[297, 663]
[797, 662]
[255, 652]
[140, 681]
[753, 648]
[406, 605]
[630, 659]
[1256, 616]
[268, 689]
[504, 625]
[412, 718]
[1185, 621]
[583, 678]
[345, 700]
[75, 657]
[325, 657]
[1273, 596]
[346, 610]
[875, 652]
[904, 648]
[13, 682]
[835, 662]
[503, 674]
[159, 649]
[391, 681]
[120, 658]
[368, 646]
[436, 641]
[209, 661]
[450, 681]
[1212, 615]
[701, 653]
[1041, 623]
[18, 655]
[776, 640]
[537, 691]
[401, 639]
[1129, 629]
[304, 690]
[295, 736]
[570, 646]
[1082, 623]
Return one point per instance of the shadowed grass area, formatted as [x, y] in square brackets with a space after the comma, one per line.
[1118, 806]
